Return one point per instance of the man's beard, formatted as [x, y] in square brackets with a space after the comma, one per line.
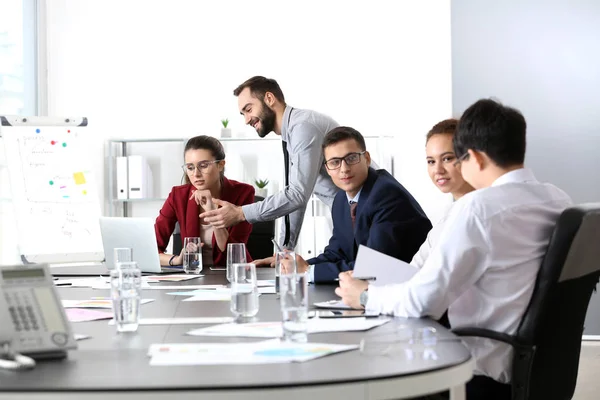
[267, 121]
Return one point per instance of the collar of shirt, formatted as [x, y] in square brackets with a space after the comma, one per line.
[355, 198]
[284, 124]
[518, 175]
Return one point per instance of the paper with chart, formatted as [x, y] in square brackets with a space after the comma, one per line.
[54, 191]
[274, 329]
[385, 269]
[266, 352]
[83, 315]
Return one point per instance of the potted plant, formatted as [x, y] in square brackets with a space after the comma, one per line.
[261, 187]
[225, 131]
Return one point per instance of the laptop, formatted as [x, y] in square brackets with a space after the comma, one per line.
[137, 234]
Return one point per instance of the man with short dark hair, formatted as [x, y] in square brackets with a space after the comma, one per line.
[263, 106]
[371, 209]
[484, 266]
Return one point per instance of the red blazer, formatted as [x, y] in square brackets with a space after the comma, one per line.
[178, 208]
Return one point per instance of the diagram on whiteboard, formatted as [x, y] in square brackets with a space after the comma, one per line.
[53, 167]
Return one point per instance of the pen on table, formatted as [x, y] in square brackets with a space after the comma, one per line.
[276, 245]
[62, 283]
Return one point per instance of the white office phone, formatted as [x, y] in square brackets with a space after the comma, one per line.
[33, 323]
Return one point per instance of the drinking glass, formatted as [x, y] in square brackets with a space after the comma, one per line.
[192, 255]
[284, 260]
[126, 291]
[236, 254]
[244, 290]
[294, 306]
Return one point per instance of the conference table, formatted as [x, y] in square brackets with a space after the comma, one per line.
[116, 365]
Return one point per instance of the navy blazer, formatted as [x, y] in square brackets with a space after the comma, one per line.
[388, 219]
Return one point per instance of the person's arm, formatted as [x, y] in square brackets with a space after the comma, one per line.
[457, 261]
[164, 227]
[238, 233]
[306, 160]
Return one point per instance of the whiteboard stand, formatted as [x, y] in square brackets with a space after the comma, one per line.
[53, 189]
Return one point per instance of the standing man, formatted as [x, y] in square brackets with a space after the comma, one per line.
[263, 106]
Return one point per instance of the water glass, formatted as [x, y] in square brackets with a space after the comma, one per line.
[244, 290]
[285, 263]
[236, 254]
[192, 255]
[294, 306]
[122, 254]
[126, 291]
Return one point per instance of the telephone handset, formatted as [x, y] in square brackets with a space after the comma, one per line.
[34, 324]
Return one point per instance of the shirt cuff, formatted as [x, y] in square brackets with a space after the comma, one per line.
[375, 300]
[311, 274]
[250, 213]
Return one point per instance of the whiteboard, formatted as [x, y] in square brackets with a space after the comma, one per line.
[53, 189]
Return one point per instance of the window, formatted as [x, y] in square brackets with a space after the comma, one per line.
[18, 61]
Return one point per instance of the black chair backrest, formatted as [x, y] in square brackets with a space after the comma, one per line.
[177, 242]
[545, 366]
[259, 243]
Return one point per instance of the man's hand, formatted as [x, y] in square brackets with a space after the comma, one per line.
[350, 289]
[301, 265]
[203, 198]
[269, 261]
[227, 215]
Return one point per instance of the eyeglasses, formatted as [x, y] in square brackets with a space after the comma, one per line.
[461, 159]
[350, 159]
[201, 166]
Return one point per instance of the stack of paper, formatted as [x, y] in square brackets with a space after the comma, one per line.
[267, 352]
[380, 268]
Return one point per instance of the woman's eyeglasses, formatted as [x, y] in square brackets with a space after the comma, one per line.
[201, 166]
[350, 159]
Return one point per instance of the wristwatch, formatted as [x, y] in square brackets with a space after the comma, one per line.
[364, 298]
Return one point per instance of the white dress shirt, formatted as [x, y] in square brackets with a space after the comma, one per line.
[484, 266]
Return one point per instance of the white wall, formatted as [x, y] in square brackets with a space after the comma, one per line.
[168, 68]
[542, 57]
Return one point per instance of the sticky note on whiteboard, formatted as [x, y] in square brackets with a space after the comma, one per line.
[79, 178]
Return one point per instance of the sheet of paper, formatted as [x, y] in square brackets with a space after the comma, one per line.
[83, 315]
[171, 278]
[385, 269]
[274, 329]
[264, 283]
[333, 304]
[267, 352]
[182, 321]
[94, 303]
[219, 294]
[81, 336]
[267, 290]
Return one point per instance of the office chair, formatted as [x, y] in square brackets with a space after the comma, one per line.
[177, 242]
[259, 242]
[548, 340]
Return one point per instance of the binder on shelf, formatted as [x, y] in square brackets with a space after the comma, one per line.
[139, 178]
[122, 178]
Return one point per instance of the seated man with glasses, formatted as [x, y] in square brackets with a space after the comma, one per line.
[371, 209]
[203, 172]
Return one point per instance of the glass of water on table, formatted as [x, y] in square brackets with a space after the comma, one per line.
[244, 290]
[294, 306]
[126, 291]
[192, 255]
[285, 263]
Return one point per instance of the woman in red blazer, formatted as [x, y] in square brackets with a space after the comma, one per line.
[204, 167]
